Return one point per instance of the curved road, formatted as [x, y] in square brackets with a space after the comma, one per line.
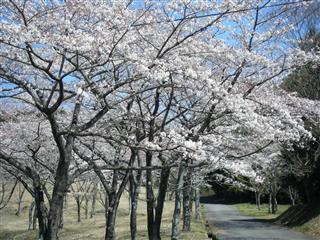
[232, 225]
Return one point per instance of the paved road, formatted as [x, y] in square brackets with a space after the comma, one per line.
[233, 225]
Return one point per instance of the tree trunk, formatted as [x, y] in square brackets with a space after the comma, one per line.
[78, 209]
[133, 217]
[293, 193]
[31, 209]
[114, 198]
[191, 201]
[110, 223]
[187, 198]
[113, 194]
[61, 221]
[41, 212]
[111, 217]
[61, 184]
[150, 199]
[86, 210]
[259, 200]
[186, 213]
[257, 197]
[163, 185]
[106, 206]
[20, 197]
[129, 201]
[134, 193]
[274, 204]
[59, 190]
[171, 195]
[197, 205]
[40, 209]
[177, 204]
[270, 204]
[34, 220]
[94, 199]
[65, 202]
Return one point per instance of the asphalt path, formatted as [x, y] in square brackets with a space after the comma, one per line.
[232, 225]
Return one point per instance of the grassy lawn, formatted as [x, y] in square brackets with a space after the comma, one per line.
[252, 210]
[15, 228]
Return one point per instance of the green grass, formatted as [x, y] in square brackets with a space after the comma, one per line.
[252, 210]
[311, 227]
[13, 227]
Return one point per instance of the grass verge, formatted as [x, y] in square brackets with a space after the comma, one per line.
[312, 227]
[252, 210]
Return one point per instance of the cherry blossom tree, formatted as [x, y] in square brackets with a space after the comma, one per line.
[27, 156]
[176, 80]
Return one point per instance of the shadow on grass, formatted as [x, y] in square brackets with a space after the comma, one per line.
[299, 214]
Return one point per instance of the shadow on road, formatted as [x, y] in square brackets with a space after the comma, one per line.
[255, 220]
[249, 223]
[211, 199]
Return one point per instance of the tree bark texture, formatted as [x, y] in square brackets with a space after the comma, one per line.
[177, 204]
[21, 191]
[150, 199]
[187, 201]
[94, 199]
[197, 205]
[163, 185]
[30, 216]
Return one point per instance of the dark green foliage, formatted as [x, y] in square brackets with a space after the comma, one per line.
[306, 79]
[303, 161]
